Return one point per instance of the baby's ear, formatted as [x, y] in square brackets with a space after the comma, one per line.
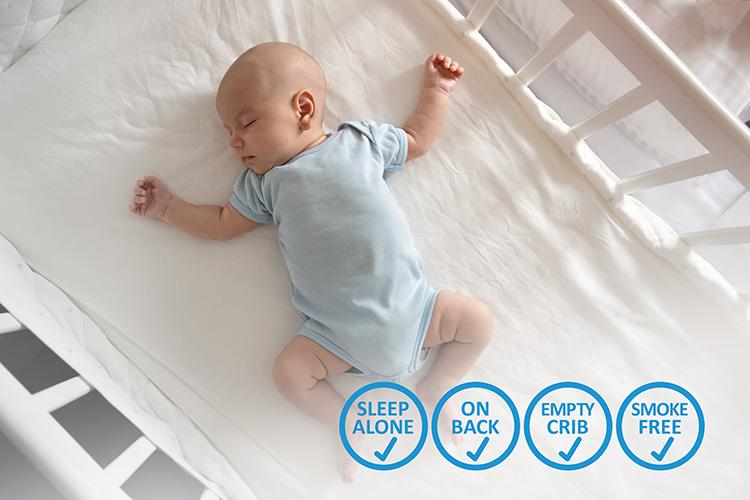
[305, 108]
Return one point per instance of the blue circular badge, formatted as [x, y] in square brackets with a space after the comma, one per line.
[383, 455]
[662, 422]
[569, 419]
[490, 425]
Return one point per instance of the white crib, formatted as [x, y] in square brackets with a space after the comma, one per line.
[25, 418]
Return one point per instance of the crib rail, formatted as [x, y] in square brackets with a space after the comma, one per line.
[129, 461]
[636, 99]
[61, 394]
[8, 323]
[47, 445]
[26, 420]
[666, 78]
[663, 78]
[686, 169]
[569, 34]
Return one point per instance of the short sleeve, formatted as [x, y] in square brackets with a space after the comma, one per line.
[247, 198]
[389, 140]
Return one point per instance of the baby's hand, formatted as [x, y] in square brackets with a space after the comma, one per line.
[150, 198]
[441, 73]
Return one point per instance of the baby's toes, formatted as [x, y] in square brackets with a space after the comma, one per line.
[348, 472]
[347, 467]
[447, 415]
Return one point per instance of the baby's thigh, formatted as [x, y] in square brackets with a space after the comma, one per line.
[453, 310]
[304, 357]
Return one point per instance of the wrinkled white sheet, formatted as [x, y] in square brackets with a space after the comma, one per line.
[119, 90]
[24, 22]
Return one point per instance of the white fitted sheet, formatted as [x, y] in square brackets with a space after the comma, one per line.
[120, 90]
[24, 22]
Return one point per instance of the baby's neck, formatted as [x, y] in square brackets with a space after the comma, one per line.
[318, 140]
[321, 138]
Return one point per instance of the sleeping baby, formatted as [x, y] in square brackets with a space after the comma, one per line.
[355, 272]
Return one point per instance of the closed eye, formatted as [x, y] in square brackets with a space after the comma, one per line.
[249, 124]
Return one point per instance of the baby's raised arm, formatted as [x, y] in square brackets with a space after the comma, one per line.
[440, 77]
[152, 199]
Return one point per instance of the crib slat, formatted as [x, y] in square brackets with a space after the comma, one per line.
[130, 460]
[61, 394]
[566, 36]
[479, 13]
[8, 323]
[208, 495]
[626, 105]
[652, 63]
[49, 446]
[727, 236]
[681, 170]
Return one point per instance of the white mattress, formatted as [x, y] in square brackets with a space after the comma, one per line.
[123, 89]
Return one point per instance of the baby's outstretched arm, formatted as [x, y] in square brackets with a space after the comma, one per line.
[152, 199]
[441, 75]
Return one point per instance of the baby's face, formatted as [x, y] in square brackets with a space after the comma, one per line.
[263, 132]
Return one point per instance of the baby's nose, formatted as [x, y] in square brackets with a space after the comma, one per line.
[235, 142]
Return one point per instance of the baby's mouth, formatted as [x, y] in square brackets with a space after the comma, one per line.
[245, 158]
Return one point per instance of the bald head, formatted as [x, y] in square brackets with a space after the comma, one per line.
[274, 71]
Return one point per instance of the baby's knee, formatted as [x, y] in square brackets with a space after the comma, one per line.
[286, 374]
[484, 320]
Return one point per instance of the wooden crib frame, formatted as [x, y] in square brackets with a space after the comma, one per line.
[25, 418]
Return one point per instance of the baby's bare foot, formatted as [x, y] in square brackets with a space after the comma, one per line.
[347, 466]
[429, 392]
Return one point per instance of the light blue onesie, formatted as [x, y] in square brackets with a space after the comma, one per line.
[355, 273]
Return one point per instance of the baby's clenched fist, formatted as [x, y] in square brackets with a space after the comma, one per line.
[442, 73]
[150, 198]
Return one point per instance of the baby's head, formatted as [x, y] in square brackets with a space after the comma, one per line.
[271, 101]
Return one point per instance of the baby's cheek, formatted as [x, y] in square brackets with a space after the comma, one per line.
[280, 142]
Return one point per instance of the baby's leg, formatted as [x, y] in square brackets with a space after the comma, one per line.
[464, 326]
[299, 373]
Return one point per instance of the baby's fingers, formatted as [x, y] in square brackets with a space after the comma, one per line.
[148, 181]
[151, 181]
[456, 70]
